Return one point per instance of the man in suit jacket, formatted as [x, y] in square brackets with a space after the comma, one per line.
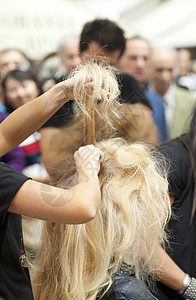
[178, 103]
[135, 61]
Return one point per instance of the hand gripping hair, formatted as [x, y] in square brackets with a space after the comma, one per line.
[96, 84]
[79, 261]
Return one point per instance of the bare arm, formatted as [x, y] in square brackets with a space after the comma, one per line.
[74, 206]
[77, 205]
[169, 273]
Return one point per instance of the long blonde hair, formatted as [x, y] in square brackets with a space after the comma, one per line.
[79, 261]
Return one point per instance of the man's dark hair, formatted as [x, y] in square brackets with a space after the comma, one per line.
[105, 33]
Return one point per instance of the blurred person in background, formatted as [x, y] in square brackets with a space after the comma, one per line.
[48, 66]
[11, 59]
[186, 78]
[178, 103]
[63, 61]
[135, 61]
[69, 53]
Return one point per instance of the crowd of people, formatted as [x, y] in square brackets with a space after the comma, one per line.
[121, 213]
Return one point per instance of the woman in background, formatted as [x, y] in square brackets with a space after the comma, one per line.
[20, 87]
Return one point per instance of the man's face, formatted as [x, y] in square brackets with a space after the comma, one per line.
[99, 53]
[163, 65]
[10, 60]
[184, 62]
[135, 59]
[70, 57]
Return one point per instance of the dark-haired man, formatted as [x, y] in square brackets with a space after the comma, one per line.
[100, 39]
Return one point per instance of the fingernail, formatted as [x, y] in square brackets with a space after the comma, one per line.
[100, 100]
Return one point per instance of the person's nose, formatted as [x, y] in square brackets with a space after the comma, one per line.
[166, 75]
[140, 62]
[21, 92]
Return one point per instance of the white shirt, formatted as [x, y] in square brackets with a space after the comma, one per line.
[169, 105]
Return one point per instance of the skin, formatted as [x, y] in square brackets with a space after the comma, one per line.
[75, 206]
[19, 93]
[163, 67]
[135, 59]
[169, 273]
[10, 60]
[69, 56]
[66, 206]
[184, 62]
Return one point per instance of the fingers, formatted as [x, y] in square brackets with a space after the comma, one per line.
[88, 159]
[104, 97]
[89, 151]
[101, 156]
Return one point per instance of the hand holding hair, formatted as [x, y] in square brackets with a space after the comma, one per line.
[88, 160]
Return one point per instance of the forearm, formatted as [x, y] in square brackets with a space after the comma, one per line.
[169, 273]
[30, 117]
[90, 196]
[77, 205]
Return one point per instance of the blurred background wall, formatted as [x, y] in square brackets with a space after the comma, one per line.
[36, 26]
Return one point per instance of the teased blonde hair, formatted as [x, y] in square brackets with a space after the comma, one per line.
[78, 261]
